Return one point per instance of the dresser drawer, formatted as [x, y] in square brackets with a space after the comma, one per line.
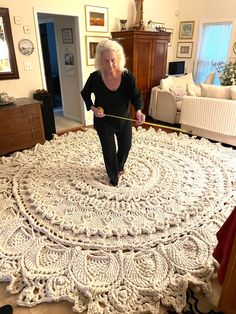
[18, 124]
[21, 125]
[21, 140]
[17, 112]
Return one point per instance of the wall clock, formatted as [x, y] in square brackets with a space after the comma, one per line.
[234, 48]
[26, 47]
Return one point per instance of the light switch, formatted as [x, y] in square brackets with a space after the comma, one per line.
[28, 66]
[17, 19]
[26, 29]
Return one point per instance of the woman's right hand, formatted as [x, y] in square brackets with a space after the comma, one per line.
[98, 112]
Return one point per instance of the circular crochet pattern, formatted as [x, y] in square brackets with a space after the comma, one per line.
[66, 233]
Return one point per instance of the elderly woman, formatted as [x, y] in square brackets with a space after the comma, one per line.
[114, 89]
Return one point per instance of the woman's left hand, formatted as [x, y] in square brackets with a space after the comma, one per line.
[140, 117]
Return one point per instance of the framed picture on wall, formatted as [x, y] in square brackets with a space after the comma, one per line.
[91, 44]
[96, 19]
[67, 35]
[186, 30]
[184, 49]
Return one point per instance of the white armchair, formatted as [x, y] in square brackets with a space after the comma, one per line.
[165, 101]
[163, 106]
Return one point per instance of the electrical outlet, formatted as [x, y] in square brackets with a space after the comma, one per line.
[28, 66]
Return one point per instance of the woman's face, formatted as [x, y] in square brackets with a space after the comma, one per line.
[109, 61]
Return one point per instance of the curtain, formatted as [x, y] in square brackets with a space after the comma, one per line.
[214, 46]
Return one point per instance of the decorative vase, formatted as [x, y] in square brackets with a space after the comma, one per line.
[139, 15]
[123, 25]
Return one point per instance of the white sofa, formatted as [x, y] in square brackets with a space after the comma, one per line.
[212, 115]
[166, 99]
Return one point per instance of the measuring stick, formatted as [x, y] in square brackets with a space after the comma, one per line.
[148, 123]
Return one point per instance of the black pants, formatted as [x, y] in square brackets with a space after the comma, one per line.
[115, 157]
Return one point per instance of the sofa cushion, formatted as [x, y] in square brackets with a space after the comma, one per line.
[213, 91]
[193, 90]
[178, 92]
[183, 80]
[233, 92]
[167, 83]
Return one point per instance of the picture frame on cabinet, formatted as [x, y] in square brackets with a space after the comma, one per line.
[186, 29]
[184, 49]
[91, 44]
[96, 19]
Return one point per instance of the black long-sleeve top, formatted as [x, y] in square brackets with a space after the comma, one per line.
[113, 102]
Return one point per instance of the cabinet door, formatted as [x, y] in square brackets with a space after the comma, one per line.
[158, 63]
[142, 67]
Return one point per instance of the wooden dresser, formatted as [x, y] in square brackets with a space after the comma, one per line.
[146, 57]
[21, 125]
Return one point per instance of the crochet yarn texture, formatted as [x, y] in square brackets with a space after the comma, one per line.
[66, 234]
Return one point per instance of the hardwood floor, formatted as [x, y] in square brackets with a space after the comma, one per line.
[62, 307]
[62, 123]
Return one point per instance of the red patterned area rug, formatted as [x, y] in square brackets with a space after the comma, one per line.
[66, 234]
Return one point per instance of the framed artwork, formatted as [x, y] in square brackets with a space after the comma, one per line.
[186, 29]
[184, 49]
[8, 67]
[67, 35]
[234, 48]
[96, 19]
[69, 59]
[91, 44]
[170, 30]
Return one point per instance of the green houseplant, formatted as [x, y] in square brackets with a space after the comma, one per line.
[226, 73]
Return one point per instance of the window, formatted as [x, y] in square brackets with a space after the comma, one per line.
[214, 47]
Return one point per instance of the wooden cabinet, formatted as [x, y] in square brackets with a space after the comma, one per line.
[21, 125]
[146, 57]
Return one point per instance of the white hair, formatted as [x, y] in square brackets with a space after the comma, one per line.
[109, 45]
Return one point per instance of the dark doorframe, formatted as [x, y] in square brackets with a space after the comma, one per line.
[49, 53]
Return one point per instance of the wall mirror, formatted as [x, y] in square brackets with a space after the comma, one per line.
[8, 65]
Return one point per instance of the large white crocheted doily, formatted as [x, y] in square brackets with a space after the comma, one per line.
[66, 234]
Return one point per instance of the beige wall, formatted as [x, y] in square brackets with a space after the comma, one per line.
[206, 11]
[169, 12]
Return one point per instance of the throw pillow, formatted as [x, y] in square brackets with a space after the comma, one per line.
[178, 92]
[213, 91]
[183, 80]
[233, 92]
[167, 83]
[193, 90]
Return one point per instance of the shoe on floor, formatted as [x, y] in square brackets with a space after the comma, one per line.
[114, 183]
[121, 171]
[6, 309]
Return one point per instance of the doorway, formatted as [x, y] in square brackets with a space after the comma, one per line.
[48, 43]
[66, 100]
